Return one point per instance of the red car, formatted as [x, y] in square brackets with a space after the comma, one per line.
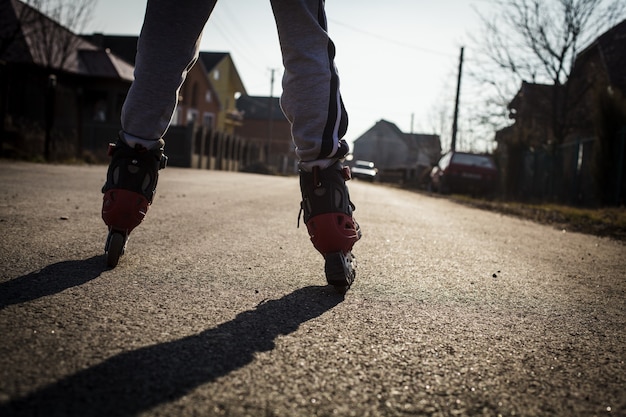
[463, 172]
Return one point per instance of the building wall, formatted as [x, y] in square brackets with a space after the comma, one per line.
[258, 130]
[197, 99]
[79, 105]
[586, 83]
[382, 146]
[223, 78]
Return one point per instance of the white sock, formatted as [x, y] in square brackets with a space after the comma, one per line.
[133, 141]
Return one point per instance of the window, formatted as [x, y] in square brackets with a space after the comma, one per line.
[473, 160]
[100, 111]
[192, 115]
[207, 120]
[207, 96]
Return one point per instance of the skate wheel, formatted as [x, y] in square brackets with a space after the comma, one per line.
[339, 269]
[115, 248]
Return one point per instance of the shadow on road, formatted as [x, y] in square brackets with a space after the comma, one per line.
[51, 280]
[132, 382]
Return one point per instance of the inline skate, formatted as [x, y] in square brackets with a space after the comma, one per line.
[128, 192]
[328, 217]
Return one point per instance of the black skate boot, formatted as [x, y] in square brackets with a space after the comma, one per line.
[328, 218]
[128, 192]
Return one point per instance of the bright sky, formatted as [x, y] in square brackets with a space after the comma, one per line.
[397, 59]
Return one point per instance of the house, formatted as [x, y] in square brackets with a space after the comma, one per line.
[53, 84]
[598, 71]
[597, 119]
[532, 109]
[61, 95]
[227, 85]
[203, 131]
[206, 98]
[198, 102]
[396, 154]
[273, 134]
[597, 68]
[548, 153]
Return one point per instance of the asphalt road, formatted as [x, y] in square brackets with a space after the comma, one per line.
[219, 306]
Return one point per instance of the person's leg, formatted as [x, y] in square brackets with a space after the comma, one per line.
[167, 48]
[311, 99]
[312, 103]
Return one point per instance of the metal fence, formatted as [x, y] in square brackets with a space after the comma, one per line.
[566, 175]
[195, 147]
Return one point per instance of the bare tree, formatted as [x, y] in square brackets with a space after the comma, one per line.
[50, 27]
[536, 41]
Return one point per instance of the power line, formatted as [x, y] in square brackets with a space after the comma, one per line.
[235, 44]
[389, 40]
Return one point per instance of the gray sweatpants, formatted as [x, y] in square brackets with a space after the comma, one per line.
[168, 46]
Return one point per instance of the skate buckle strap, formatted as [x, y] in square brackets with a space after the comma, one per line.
[317, 183]
[163, 159]
[347, 174]
[302, 211]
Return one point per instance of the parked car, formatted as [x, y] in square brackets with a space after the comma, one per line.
[364, 170]
[463, 172]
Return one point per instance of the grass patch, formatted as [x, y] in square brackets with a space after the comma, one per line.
[610, 222]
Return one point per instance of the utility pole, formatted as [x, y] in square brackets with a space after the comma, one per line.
[270, 123]
[456, 104]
